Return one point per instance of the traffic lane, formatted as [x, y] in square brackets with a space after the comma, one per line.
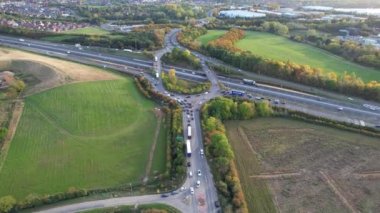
[297, 98]
[190, 181]
[74, 55]
[77, 52]
[301, 94]
[196, 161]
[210, 190]
[64, 48]
[112, 202]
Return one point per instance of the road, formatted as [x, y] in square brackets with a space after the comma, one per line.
[184, 201]
[131, 65]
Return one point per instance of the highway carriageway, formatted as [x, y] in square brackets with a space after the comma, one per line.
[73, 51]
[299, 98]
[286, 94]
[233, 83]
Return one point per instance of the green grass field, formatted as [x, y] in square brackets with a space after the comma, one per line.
[84, 135]
[211, 35]
[279, 48]
[278, 145]
[88, 31]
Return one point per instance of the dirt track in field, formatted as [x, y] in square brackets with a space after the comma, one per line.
[16, 115]
[291, 155]
[49, 72]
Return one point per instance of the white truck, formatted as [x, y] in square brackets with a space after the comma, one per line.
[188, 148]
[189, 132]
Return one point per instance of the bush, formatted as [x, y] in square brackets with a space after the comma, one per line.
[7, 204]
[173, 84]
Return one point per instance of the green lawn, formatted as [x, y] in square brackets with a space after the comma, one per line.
[88, 31]
[84, 135]
[280, 48]
[211, 35]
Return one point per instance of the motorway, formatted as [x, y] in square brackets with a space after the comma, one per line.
[205, 196]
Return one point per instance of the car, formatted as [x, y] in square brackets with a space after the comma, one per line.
[22, 40]
[199, 172]
[188, 96]
[164, 195]
[276, 101]
[198, 184]
[340, 108]
[217, 204]
[174, 193]
[192, 118]
[190, 174]
[192, 190]
[351, 99]
[188, 164]
[206, 93]
[68, 52]
[202, 152]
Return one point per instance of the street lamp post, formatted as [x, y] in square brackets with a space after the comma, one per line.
[130, 184]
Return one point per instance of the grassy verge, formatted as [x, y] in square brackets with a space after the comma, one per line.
[140, 208]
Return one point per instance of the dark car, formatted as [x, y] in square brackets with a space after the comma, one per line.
[164, 195]
[188, 164]
[217, 204]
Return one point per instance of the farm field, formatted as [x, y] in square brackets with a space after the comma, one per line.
[84, 135]
[288, 166]
[279, 48]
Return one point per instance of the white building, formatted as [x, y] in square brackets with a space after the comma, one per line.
[241, 14]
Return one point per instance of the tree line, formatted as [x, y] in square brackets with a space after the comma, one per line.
[345, 83]
[219, 151]
[138, 40]
[187, 37]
